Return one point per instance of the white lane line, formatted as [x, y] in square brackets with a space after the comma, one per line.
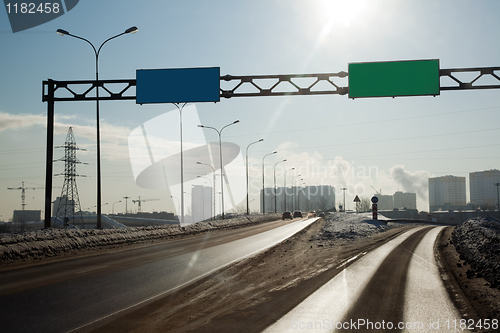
[91, 269]
[176, 250]
[329, 304]
[426, 300]
[192, 280]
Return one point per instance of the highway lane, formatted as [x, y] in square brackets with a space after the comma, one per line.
[396, 288]
[77, 294]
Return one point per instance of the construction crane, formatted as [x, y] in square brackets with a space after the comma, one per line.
[379, 193]
[139, 201]
[23, 198]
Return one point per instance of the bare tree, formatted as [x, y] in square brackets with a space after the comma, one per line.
[364, 205]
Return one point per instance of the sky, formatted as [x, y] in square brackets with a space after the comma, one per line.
[387, 144]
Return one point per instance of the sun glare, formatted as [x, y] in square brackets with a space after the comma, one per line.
[344, 13]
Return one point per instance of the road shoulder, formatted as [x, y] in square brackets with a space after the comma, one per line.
[472, 296]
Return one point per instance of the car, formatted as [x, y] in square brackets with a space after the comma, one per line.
[287, 215]
[321, 214]
[297, 213]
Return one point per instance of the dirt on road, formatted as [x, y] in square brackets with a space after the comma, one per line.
[252, 294]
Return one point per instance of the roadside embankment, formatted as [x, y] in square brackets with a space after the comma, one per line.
[38, 245]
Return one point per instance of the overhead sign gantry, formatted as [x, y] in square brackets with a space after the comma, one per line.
[375, 79]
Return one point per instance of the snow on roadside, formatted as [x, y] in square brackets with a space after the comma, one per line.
[478, 242]
[352, 226]
[52, 242]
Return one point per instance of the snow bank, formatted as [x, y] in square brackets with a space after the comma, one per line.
[52, 242]
[478, 242]
[352, 226]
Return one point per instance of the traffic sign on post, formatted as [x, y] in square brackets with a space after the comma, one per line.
[394, 78]
[178, 85]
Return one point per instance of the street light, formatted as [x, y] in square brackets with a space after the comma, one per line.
[126, 204]
[220, 155]
[296, 194]
[298, 197]
[344, 189]
[263, 196]
[62, 32]
[248, 210]
[212, 195]
[293, 204]
[498, 196]
[275, 201]
[113, 207]
[213, 173]
[284, 184]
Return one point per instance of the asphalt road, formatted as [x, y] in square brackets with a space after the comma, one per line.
[79, 294]
[395, 288]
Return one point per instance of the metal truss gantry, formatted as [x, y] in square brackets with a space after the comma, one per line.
[238, 86]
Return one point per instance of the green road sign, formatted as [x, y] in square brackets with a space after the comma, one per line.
[394, 78]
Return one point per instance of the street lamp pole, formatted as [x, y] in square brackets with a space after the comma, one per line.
[295, 194]
[248, 209]
[298, 197]
[113, 207]
[211, 185]
[213, 173]
[221, 165]
[96, 52]
[275, 200]
[284, 184]
[498, 196]
[263, 189]
[344, 189]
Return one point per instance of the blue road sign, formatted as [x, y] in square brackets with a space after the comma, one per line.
[178, 85]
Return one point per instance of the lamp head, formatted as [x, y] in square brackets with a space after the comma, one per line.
[131, 30]
[261, 140]
[275, 152]
[236, 121]
[62, 32]
[201, 126]
[198, 162]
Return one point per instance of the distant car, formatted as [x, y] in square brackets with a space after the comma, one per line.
[311, 214]
[297, 213]
[287, 215]
[321, 214]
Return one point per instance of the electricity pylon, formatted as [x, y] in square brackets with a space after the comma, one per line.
[69, 208]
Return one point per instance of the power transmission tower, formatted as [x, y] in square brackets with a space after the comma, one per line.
[69, 208]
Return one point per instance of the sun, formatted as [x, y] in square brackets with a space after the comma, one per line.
[344, 13]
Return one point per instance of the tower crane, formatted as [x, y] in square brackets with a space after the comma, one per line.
[23, 198]
[139, 201]
[378, 192]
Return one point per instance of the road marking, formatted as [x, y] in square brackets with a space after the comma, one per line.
[345, 288]
[176, 250]
[91, 269]
[183, 284]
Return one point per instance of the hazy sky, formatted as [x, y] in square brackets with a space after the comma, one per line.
[390, 144]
